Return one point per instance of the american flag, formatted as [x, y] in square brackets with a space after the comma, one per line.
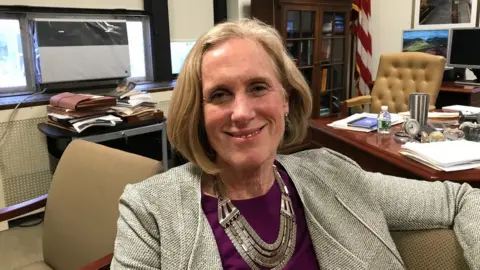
[361, 13]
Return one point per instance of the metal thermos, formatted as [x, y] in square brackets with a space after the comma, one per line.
[418, 106]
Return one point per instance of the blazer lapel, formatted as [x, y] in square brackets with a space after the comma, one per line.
[330, 254]
[199, 246]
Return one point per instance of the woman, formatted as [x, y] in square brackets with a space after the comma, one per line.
[238, 205]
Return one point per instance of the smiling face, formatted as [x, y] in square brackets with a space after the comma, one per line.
[244, 103]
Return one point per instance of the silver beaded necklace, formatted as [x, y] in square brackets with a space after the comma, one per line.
[247, 242]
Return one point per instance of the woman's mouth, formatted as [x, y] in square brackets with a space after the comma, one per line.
[246, 134]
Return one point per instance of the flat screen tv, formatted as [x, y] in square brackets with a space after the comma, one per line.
[428, 41]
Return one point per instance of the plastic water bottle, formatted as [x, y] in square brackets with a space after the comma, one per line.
[384, 121]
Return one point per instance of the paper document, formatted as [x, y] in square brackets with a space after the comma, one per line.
[107, 120]
[438, 167]
[447, 156]
[434, 114]
[343, 123]
[462, 108]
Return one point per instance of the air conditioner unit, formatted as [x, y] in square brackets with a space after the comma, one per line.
[80, 49]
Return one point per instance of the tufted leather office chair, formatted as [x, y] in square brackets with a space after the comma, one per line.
[398, 76]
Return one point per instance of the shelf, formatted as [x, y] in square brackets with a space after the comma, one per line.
[299, 39]
[333, 37]
[331, 64]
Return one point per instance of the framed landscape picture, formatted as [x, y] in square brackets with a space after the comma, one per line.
[435, 14]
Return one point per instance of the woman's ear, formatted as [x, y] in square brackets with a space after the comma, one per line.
[286, 106]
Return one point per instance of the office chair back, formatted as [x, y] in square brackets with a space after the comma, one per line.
[401, 74]
[82, 207]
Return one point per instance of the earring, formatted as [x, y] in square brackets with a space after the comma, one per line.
[287, 120]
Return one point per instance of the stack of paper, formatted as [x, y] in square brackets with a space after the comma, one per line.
[445, 156]
[139, 99]
[343, 124]
[65, 109]
[434, 114]
[107, 120]
[461, 108]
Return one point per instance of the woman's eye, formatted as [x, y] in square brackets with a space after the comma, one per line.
[259, 89]
[218, 97]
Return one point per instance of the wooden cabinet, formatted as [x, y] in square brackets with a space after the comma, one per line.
[317, 36]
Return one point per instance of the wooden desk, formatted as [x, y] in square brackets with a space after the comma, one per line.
[454, 94]
[379, 153]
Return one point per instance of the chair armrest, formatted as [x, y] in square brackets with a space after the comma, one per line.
[354, 102]
[100, 264]
[23, 208]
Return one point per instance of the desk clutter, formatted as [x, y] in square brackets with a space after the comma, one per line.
[445, 145]
[78, 112]
[447, 141]
[350, 123]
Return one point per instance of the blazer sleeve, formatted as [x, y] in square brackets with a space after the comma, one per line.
[137, 245]
[412, 204]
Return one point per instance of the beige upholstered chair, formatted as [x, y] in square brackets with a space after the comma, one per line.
[82, 207]
[398, 76]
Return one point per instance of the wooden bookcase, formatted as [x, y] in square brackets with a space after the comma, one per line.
[317, 36]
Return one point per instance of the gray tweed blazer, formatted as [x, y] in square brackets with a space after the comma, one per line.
[349, 213]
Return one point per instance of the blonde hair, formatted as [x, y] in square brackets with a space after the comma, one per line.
[185, 128]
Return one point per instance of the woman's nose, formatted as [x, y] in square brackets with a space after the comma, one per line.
[242, 109]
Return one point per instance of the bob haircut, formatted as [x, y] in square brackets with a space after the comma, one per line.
[186, 129]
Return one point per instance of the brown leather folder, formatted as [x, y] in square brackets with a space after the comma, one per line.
[77, 114]
[73, 101]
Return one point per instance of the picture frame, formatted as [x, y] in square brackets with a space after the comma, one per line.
[429, 14]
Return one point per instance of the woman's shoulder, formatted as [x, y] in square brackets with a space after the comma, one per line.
[163, 185]
[318, 156]
[322, 166]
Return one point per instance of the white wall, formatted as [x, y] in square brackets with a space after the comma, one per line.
[100, 4]
[389, 18]
[189, 19]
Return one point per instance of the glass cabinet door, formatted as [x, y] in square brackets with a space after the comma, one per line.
[332, 62]
[300, 33]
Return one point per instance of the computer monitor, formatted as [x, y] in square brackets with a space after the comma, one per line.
[464, 48]
[427, 41]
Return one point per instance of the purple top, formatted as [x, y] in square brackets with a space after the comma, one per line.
[263, 214]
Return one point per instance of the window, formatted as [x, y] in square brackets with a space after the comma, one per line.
[24, 68]
[136, 47]
[12, 66]
[179, 51]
